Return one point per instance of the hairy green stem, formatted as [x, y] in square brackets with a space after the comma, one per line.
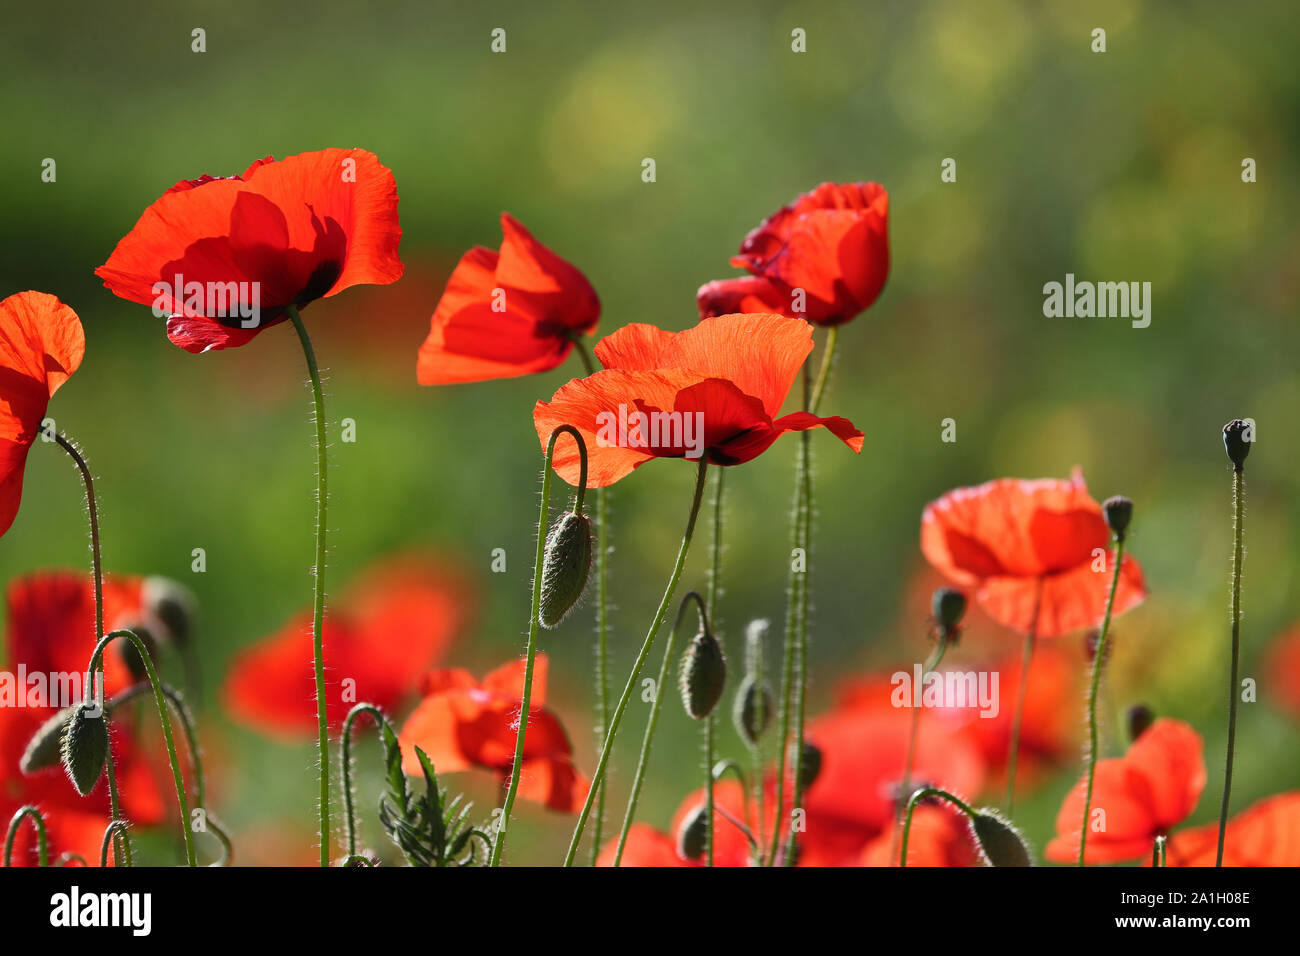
[1238, 553]
[38, 823]
[911, 807]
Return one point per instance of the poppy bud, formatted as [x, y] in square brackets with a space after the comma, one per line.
[703, 676]
[564, 567]
[131, 654]
[173, 605]
[1119, 512]
[1237, 438]
[1138, 719]
[752, 711]
[810, 767]
[85, 748]
[755, 634]
[948, 607]
[692, 838]
[44, 749]
[1000, 842]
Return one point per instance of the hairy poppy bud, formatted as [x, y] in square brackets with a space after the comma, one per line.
[173, 605]
[1119, 512]
[692, 838]
[810, 766]
[752, 710]
[1000, 842]
[1138, 719]
[564, 567]
[1238, 436]
[704, 675]
[948, 607]
[85, 748]
[44, 749]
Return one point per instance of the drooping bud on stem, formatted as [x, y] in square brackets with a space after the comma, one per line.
[998, 839]
[85, 748]
[173, 605]
[1238, 436]
[45, 749]
[693, 836]
[565, 567]
[810, 764]
[703, 674]
[753, 706]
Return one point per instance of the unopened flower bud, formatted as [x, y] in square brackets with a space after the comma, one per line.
[999, 841]
[752, 710]
[1238, 436]
[692, 838]
[1119, 512]
[948, 607]
[85, 748]
[1138, 718]
[703, 675]
[131, 654]
[564, 568]
[173, 605]
[755, 635]
[44, 750]
[810, 764]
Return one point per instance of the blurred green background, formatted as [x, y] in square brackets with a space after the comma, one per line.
[1117, 166]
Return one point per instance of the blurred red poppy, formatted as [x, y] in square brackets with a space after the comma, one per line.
[940, 836]
[223, 258]
[463, 723]
[507, 313]
[824, 257]
[1135, 798]
[51, 631]
[713, 390]
[1266, 833]
[390, 626]
[1031, 550]
[1283, 667]
[41, 344]
[645, 846]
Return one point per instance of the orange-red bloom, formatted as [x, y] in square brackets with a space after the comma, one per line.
[282, 233]
[1284, 668]
[463, 723]
[1029, 549]
[1135, 798]
[507, 313]
[393, 624]
[51, 631]
[1265, 834]
[940, 836]
[824, 257]
[41, 344]
[729, 376]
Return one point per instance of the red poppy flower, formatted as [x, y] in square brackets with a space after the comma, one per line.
[1284, 665]
[940, 836]
[1143, 794]
[463, 723]
[51, 632]
[394, 623]
[864, 754]
[1029, 549]
[41, 344]
[712, 390]
[1265, 834]
[831, 244]
[282, 233]
[507, 313]
[645, 846]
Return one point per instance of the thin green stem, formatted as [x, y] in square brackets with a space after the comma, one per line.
[96, 666]
[1238, 553]
[38, 823]
[1013, 746]
[349, 808]
[709, 810]
[1158, 851]
[941, 645]
[111, 833]
[911, 807]
[603, 763]
[653, 721]
[1098, 663]
[712, 588]
[602, 623]
[499, 838]
[824, 370]
[318, 573]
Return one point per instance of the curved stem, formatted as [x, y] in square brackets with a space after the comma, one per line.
[616, 719]
[935, 657]
[349, 810]
[653, 721]
[38, 823]
[499, 838]
[602, 624]
[318, 573]
[1098, 663]
[911, 807]
[1013, 746]
[111, 833]
[96, 666]
[1238, 553]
